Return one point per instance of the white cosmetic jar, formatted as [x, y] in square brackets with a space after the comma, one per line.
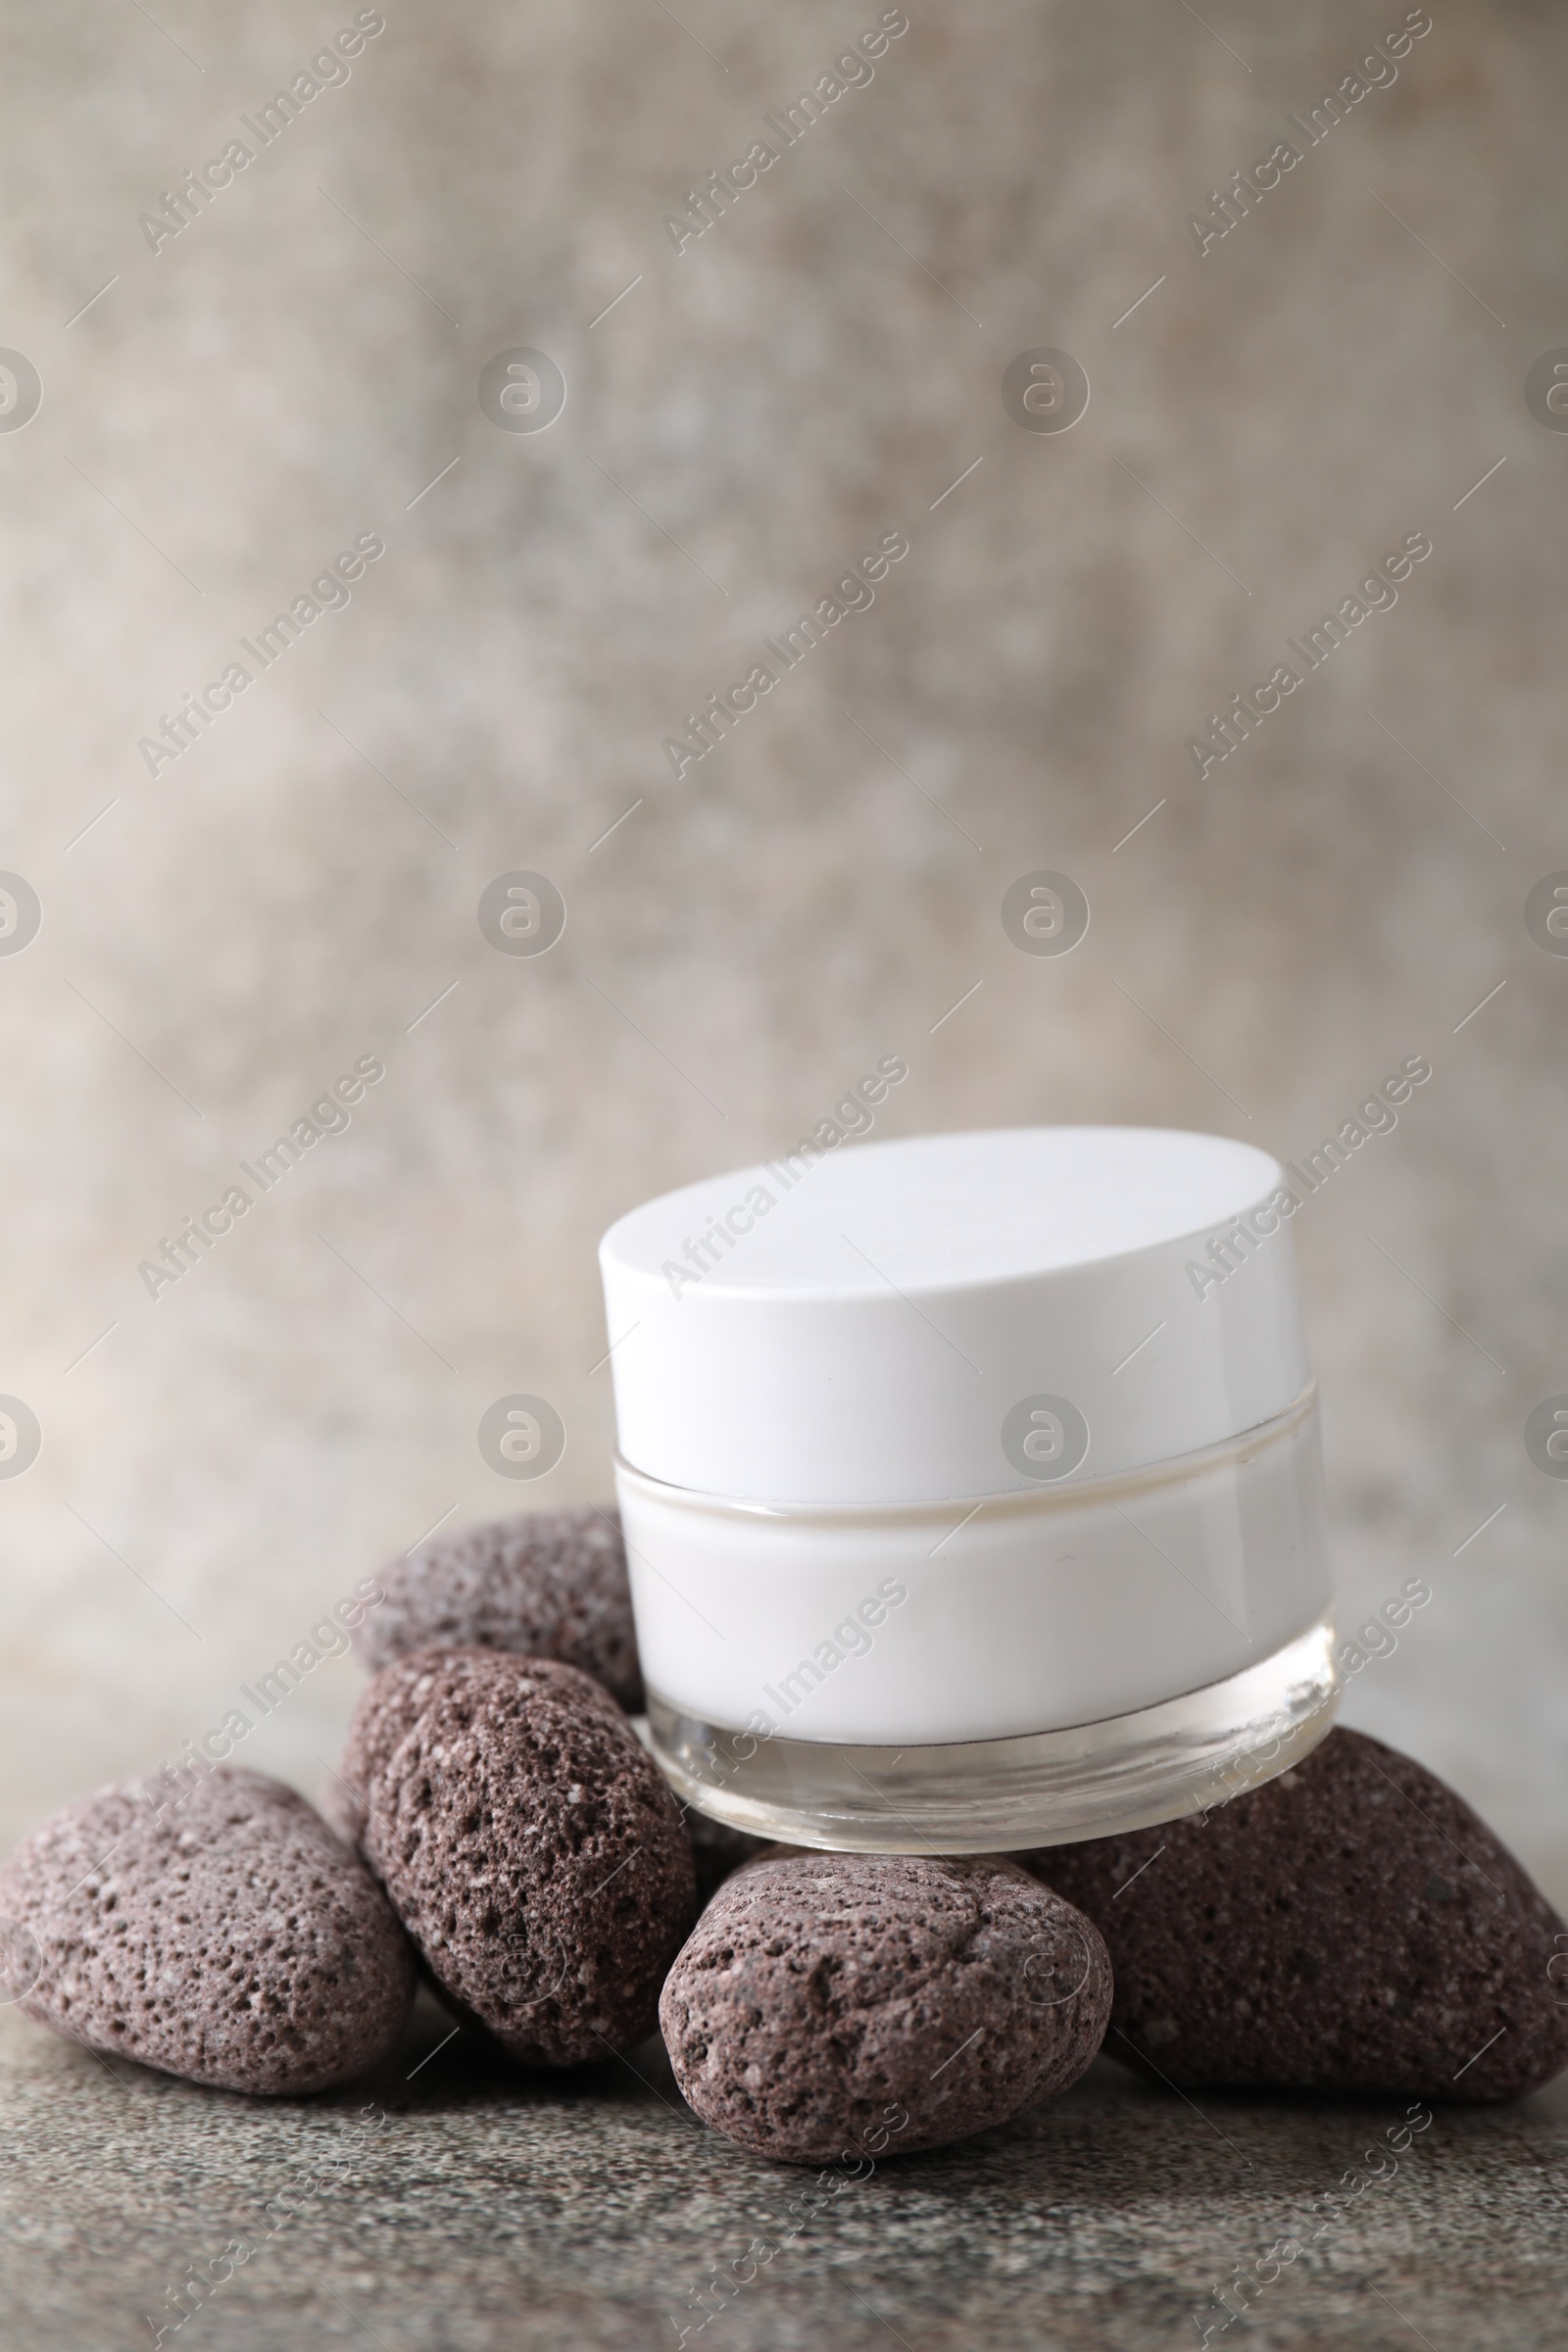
[971, 1486]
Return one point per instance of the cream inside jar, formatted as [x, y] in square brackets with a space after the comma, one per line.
[971, 1486]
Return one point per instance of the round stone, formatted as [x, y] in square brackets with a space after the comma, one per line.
[1351, 1925]
[220, 1931]
[832, 2006]
[528, 1844]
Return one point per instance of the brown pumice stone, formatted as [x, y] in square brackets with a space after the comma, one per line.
[223, 1934]
[834, 2005]
[528, 1842]
[541, 1585]
[1352, 1925]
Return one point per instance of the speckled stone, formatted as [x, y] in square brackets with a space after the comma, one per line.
[541, 1584]
[1352, 1924]
[835, 2005]
[222, 1934]
[528, 1844]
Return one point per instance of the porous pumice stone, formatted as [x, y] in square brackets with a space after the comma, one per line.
[540, 1585]
[226, 1934]
[1352, 1925]
[528, 1842]
[834, 2005]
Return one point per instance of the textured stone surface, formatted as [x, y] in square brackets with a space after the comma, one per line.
[495, 2211]
[528, 1844]
[1351, 1923]
[544, 1584]
[833, 2004]
[223, 1935]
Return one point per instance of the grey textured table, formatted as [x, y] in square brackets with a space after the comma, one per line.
[480, 2209]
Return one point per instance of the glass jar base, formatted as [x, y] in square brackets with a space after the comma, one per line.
[982, 1796]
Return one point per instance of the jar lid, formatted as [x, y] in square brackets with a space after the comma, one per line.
[953, 1315]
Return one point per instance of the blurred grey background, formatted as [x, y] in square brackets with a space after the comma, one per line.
[745, 417]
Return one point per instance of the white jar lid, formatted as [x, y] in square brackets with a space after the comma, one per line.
[954, 1315]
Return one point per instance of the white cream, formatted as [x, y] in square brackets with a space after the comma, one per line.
[975, 1620]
